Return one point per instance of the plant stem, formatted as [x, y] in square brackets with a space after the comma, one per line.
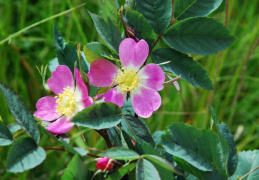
[104, 134]
[247, 174]
[38, 23]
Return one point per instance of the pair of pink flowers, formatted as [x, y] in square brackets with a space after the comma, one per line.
[140, 84]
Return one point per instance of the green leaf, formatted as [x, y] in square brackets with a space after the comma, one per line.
[193, 8]
[14, 127]
[202, 35]
[67, 53]
[142, 28]
[76, 169]
[108, 32]
[248, 161]
[49, 134]
[137, 129]
[225, 135]
[120, 153]
[121, 172]
[93, 51]
[162, 162]
[99, 116]
[109, 11]
[181, 64]
[146, 170]
[196, 151]
[157, 12]
[21, 113]
[6, 137]
[180, 7]
[24, 155]
[114, 136]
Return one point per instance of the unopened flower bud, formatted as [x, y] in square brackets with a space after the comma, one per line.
[105, 164]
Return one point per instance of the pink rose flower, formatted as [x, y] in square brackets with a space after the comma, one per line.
[104, 164]
[69, 100]
[142, 84]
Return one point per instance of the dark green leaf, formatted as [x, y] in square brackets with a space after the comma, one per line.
[180, 7]
[121, 172]
[202, 35]
[21, 113]
[108, 32]
[14, 127]
[137, 129]
[181, 64]
[157, 137]
[75, 170]
[24, 155]
[67, 53]
[247, 161]
[225, 135]
[146, 170]
[157, 12]
[193, 8]
[200, 149]
[120, 154]
[42, 129]
[127, 107]
[99, 116]
[141, 26]
[114, 136]
[6, 136]
[162, 162]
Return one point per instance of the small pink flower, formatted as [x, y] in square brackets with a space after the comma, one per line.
[104, 164]
[142, 84]
[68, 101]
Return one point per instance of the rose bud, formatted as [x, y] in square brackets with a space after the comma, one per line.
[105, 164]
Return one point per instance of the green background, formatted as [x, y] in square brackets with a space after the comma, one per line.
[19, 58]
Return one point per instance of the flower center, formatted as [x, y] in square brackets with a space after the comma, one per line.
[127, 79]
[66, 102]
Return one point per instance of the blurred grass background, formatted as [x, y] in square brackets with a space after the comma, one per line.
[19, 58]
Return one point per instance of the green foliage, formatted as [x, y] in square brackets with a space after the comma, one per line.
[181, 64]
[99, 116]
[157, 12]
[67, 53]
[109, 11]
[193, 8]
[107, 31]
[141, 27]
[146, 170]
[14, 127]
[136, 129]
[248, 161]
[76, 169]
[120, 153]
[122, 171]
[21, 113]
[202, 150]
[200, 35]
[229, 149]
[6, 136]
[24, 155]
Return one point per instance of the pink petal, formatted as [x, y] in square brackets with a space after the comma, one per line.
[46, 109]
[102, 73]
[133, 54]
[61, 78]
[115, 96]
[152, 76]
[60, 126]
[145, 101]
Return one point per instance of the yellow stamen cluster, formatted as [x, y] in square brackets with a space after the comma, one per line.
[127, 79]
[66, 102]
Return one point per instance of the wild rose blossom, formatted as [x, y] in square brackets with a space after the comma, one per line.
[104, 164]
[69, 100]
[142, 84]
